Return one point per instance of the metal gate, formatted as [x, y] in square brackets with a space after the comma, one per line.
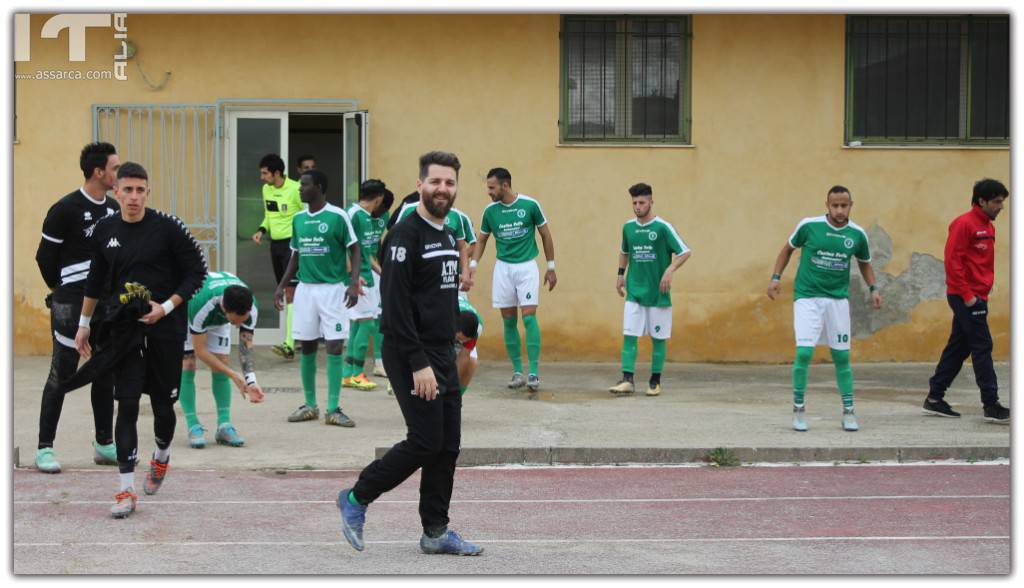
[178, 145]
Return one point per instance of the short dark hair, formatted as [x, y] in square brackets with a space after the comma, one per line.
[371, 189]
[389, 199]
[501, 174]
[987, 189]
[319, 178]
[442, 158]
[640, 189]
[837, 189]
[130, 169]
[95, 155]
[469, 324]
[273, 163]
[303, 157]
[237, 299]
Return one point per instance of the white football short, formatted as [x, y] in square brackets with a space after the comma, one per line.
[641, 321]
[319, 311]
[218, 339]
[515, 284]
[822, 321]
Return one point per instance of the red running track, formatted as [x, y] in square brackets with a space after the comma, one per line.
[906, 519]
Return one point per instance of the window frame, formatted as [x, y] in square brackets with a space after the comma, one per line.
[964, 107]
[685, 68]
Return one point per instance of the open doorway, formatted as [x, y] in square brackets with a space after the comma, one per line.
[336, 140]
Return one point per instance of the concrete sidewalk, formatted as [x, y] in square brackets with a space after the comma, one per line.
[743, 408]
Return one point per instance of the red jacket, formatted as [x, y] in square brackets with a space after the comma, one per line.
[970, 255]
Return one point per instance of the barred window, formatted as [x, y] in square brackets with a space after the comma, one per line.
[928, 79]
[625, 79]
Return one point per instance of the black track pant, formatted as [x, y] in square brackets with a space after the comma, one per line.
[153, 369]
[970, 337]
[63, 363]
[432, 438]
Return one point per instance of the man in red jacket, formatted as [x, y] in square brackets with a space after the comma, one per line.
[970, 260]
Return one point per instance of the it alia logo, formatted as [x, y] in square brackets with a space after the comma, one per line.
[76, 25]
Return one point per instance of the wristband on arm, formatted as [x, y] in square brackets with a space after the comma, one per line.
[622, 271]
[168, 306]
[551, 264]
[250, 378]
[776, 277]
[83, 321]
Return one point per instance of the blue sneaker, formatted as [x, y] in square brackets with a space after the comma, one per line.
[228, 435]
[449, 543]
[352, 519]
[196, 439]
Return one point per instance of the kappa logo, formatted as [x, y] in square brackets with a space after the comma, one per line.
[113, 242]
[174, 394]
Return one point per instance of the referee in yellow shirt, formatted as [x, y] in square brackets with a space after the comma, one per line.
[280, 203]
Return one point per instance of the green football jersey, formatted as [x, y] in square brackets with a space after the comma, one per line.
[204, 309]
[453, 219]
[322, 239]
[650, 247]
[368, 233]
[513, 226]
[824, 270]
[379, 225]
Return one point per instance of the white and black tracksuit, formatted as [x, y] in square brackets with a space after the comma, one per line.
[419, 299]
[160, 253]
[63, 257]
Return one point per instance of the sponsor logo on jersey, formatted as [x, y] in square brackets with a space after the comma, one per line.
[113, 242]
[87, 216]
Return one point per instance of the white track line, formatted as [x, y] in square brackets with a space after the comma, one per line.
[541, 501]
[520, 541]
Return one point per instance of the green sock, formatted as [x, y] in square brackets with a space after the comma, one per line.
[800, 364]
[289, 340]
[352, 498]
[334, 364]
[515, 352]
[462, 390]
[187, 397]
[658, 347]
[359, 343]
[346, 367]
[222, 397]
[628, 353]
[307, 368]
[378, 338]
[844, 375]
[532, 341]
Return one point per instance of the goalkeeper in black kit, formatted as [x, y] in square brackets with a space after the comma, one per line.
[141, 253]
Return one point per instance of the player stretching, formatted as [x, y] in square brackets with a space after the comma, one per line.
[821, 308]
[648, 246]
[511, 218]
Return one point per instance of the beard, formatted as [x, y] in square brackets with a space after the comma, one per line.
[438, 210]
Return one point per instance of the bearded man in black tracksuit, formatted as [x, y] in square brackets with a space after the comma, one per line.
[145, 246]
[419, 312]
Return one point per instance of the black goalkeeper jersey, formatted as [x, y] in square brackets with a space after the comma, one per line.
[65, 250]
[158, 252]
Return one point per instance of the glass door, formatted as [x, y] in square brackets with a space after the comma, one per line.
[355, 154]
[250, 136]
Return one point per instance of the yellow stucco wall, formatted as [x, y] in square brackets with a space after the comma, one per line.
[768, 99]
